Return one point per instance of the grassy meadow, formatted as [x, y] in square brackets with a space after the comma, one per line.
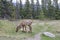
[7, 30]
[54, 27]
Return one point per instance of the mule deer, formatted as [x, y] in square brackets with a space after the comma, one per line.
[24, 25]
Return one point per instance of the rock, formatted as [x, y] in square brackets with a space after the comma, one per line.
[48, 34]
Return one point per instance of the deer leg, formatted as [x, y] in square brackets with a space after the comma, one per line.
[30, 28]
[23, 28]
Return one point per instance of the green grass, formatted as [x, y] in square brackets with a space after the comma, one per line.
[49, 38]
[46, 38]
[7, 30]
[53, 30]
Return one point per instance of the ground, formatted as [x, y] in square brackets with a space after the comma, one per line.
[7, 30]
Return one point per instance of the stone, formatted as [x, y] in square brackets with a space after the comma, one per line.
[49, 34]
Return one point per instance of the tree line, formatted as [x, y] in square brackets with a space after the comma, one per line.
[45, 10]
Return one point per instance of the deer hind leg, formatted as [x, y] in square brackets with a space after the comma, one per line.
[30, 28]
[24, 29]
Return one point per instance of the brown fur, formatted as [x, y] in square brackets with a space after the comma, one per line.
[23, 25]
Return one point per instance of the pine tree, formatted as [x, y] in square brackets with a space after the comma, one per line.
[27, 9]
[12, 10]
[37, 9]
[21, 9]
[0, 8]
[32, 9]
[56, 9]
[4, 8]
[17, 10]
[7, 9]
[50, 11]
[44, 7]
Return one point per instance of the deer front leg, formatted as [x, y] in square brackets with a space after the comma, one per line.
[30, 28]
[25, 29]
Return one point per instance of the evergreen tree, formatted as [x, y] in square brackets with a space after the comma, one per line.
[11, 9]
[21, 9]
[56, 9]
[44, 7]
[32, 9]
[37, 9]
[50, 11]
[7, 9]
[17, 10]
[27, 9]
[0, 8]
[4, 8]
